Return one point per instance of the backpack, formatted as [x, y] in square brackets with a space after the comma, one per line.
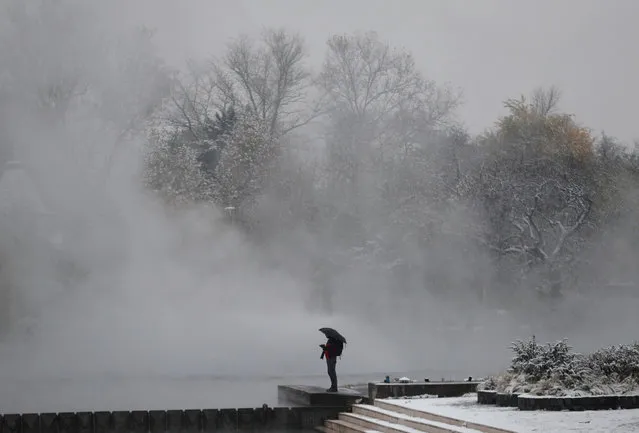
[339, 347]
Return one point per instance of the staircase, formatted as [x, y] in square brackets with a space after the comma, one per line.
[384, 417]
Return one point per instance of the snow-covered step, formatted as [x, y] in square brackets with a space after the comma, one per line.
[437, 418]
[415, 423]
[368, 423]
[389, 427]
[341, 426]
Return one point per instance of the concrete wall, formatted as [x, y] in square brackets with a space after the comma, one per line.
[487, 397]
[440, 389]
[208, 420]
[506, 399]
[606, 402]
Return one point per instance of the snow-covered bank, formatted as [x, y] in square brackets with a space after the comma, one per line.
[466, 409]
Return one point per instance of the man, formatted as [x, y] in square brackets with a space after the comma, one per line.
[331, 350]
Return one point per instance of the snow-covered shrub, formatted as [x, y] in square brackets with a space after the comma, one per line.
[537, 362]
[537, 368]
[526, 352]
[616, 362]
[487, 385]
[552, 369]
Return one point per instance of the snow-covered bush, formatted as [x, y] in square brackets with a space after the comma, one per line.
[616, 362]
[553, 369]
[526, 352]
[487, 385]
[537, 362]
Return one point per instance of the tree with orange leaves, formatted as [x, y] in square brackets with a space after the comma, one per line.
[536, 186]
[539, 130]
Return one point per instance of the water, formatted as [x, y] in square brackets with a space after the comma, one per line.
[161, 393]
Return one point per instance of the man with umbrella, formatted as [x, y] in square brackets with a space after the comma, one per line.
[331, 350]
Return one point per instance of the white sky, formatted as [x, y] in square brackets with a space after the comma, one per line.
[492, 49]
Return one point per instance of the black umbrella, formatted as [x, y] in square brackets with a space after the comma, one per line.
[331, 333]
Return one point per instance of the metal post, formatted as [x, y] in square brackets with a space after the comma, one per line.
[230, 211]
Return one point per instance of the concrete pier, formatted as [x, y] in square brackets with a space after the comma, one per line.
[305, 395]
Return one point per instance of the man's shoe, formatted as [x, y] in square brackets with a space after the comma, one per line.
[331, 390]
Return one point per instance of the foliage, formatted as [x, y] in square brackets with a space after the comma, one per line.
[245, 155]
[616, 362]
[490, 384]
[553, 369]
[399, 178]
[172, 171]
[538, 362]
[386, 185]
[217, 131]
[535, 126]
[228, 167]
[537, 189]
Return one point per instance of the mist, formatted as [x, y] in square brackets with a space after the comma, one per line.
[113, 300]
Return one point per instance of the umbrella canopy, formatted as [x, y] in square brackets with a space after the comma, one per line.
[331, 333]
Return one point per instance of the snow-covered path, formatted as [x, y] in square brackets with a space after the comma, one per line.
[467, 409]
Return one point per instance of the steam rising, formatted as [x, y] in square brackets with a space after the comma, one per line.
[162, 295]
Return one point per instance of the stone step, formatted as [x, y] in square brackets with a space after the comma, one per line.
[438, 418]
[385, 426]
[415, 423]
[341, 426]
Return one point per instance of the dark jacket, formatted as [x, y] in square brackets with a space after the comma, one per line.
[332, 348]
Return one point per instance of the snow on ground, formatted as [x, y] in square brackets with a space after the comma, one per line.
[413, 397]
[467, 409]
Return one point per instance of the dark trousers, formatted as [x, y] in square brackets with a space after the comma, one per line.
[331, 363]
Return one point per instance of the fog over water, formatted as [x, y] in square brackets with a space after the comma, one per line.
[179, 309]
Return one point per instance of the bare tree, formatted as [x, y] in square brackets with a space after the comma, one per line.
[269, 78]
[545, 101]
[374, 81]
[194, 102]
[262, 86]
[380, 108]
